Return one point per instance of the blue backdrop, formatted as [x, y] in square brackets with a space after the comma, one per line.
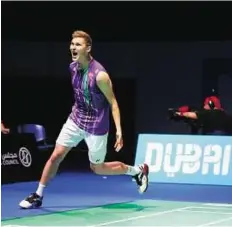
[186, 158]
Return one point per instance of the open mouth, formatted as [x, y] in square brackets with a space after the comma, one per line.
[74, 54]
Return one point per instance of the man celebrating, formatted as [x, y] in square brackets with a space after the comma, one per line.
[89, 120]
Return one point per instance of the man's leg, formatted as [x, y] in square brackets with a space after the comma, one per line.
[69, 137]
[51, 166]
[97, 151]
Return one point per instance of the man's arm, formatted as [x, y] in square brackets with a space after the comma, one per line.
[105, 85]
[4, 129]
[201, 116]
[191, 115]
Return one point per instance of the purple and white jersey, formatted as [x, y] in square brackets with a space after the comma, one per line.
[91, 109]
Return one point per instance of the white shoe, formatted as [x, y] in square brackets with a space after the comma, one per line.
[32, 201]
[142, 178]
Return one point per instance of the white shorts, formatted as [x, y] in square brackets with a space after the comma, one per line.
[71, 135]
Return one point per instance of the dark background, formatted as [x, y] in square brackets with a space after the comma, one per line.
[159, 55]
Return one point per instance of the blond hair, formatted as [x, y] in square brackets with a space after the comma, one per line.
[83, 35]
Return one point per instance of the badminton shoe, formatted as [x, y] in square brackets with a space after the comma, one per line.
[32, 201]
[142, 178]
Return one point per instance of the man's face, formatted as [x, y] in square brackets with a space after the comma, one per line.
[79, 49]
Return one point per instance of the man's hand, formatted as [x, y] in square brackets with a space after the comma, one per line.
[119, 142]
[4, 130]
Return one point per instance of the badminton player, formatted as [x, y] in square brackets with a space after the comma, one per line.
[89, 121]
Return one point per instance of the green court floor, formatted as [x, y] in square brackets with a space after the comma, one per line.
[137, 213]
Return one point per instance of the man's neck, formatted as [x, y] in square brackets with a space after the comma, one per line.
[85, 63]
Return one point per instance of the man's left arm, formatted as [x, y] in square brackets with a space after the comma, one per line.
[191, 115]
[201, 116]
[105, 85]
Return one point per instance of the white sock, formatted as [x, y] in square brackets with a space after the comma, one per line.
[40, 189]
[133, 170]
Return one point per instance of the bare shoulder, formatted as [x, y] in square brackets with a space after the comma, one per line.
[104, 83]
[103, 78]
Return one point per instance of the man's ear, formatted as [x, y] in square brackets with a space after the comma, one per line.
[89, 49]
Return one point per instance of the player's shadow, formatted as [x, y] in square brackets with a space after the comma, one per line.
[64, 208]
[119, 207]
[127, 207]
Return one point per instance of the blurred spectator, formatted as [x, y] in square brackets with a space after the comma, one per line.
[212, 119]
[4, 130]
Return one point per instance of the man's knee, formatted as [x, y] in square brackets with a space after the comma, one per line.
[58, 154]
[97, 168]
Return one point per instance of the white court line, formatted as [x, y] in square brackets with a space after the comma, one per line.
[205, 212]
[14, 226]
[218, 204]
[211, 208]
[139, 217]
[215, 222]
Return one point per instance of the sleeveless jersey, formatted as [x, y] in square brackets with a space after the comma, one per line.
[90, 111]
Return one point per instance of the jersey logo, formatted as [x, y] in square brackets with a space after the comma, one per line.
[96, 71]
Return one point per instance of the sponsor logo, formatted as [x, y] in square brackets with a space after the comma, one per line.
[186, 158]
[10, 159]
[25, 157]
